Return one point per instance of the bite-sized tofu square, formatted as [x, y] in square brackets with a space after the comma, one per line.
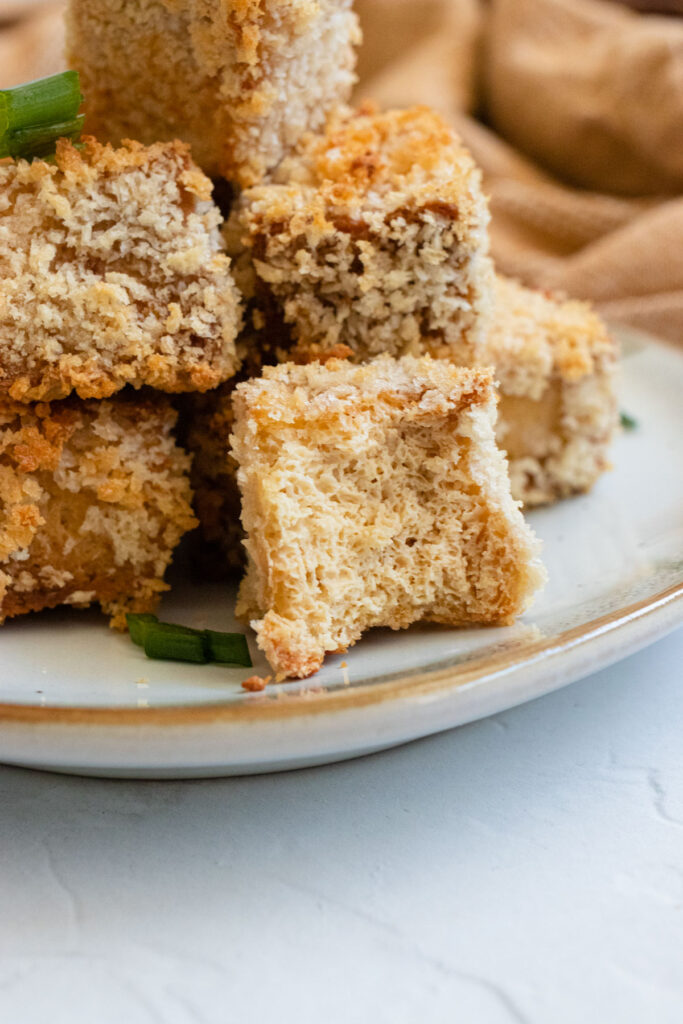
[374, 495]
[373, 236]
[94, 497]
[555, 362]
[240, 80]
[111, 273]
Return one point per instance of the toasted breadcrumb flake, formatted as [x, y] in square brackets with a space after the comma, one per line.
[254, 684]
[111, 273]
[374, 495]
[94, 497]
[240, 80]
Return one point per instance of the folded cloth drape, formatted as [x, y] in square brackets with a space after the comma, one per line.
[580, 135]
[573, 109]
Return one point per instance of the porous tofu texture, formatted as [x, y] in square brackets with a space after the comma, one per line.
[240, 80]
[94, 497]
[373, 235]
[555, 362]
[111, 273]
[374, 496]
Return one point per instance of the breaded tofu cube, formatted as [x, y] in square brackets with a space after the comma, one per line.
[240, 80]
[555, 362]
[94, 497]
[111, 273]
[373, 236]
[374, 495]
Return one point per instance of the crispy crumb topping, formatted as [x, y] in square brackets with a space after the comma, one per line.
[536, 337]
[94, 497]
[373, 235]
[240, 80]
[111, 273]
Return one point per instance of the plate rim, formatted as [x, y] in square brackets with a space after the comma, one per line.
[418, 685]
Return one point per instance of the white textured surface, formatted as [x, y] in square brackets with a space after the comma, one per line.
[528, 867]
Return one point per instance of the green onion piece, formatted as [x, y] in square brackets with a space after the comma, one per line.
[46, 101]
[228, 648]
[34, 115]
[175, 643]
[627, 422]
[137, 626]
[41, 138]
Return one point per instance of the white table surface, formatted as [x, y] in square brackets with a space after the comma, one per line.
[524, 868]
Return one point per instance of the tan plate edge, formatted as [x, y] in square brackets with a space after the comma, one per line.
[313, 701]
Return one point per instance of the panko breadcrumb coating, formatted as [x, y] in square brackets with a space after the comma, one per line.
[374, 495]
[94, 497]
[555, 362]
[111, 273]
[373, 235]
[240, 80]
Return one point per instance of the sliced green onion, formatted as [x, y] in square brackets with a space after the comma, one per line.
[173, 643]
[34, 115]
[137, 626]
[45, 101]
[39, 139]
[228, 648]
[627, 422]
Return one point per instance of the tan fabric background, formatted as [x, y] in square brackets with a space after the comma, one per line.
[573, 109]
[568, 93]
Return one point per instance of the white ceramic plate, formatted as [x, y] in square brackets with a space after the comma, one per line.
[76, 697]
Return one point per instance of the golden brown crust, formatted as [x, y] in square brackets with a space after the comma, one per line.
[373, 495]
[94, 497]
[536, 337]
[554, 360]
[111, 273]
[372, 235]
[240, 80]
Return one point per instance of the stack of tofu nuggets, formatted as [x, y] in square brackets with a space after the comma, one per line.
[365, 372]
[112, 279]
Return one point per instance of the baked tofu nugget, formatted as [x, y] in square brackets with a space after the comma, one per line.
[94, 497]
[374, 236]
[374, 495]
[240, 80]
[555, 362]
[111, 273]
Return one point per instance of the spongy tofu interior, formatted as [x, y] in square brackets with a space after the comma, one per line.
[374, 495]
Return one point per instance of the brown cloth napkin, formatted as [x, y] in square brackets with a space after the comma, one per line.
[580, 135]
[573, 109]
